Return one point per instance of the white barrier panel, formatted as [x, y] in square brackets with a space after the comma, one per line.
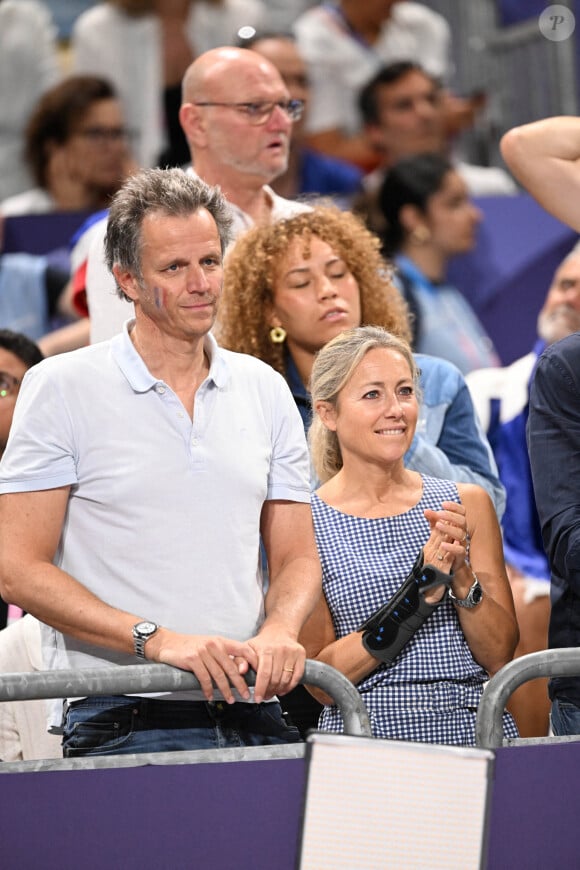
[379, 804]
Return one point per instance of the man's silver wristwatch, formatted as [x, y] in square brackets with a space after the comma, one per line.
[472, 598]
[141, 634]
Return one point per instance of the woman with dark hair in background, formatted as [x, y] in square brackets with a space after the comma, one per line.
[430, 219]
[77, 147]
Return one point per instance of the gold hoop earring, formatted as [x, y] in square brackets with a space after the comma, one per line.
[277, 335]
[421, 234]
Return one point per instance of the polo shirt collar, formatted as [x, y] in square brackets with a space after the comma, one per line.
[138, 375]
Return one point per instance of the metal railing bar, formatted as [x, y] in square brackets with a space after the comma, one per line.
[563, 662]
[228, 754]
[139, 679]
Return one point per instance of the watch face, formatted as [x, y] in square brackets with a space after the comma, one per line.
[477, 594]
[146, 628]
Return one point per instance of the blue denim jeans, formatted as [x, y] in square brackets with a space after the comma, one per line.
[122, 725]
[564, 717]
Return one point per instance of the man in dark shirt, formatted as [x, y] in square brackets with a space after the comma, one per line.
[553, 436]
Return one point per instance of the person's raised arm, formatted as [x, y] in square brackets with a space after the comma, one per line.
[30, 530]
[544, 156]
[293, 590]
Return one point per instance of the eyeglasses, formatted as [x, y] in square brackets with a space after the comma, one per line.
[102, 135]
[261, 112]
[8, 385]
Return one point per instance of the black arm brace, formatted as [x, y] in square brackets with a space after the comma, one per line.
[392, 626]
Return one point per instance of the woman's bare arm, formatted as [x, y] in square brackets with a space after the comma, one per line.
[490, 627]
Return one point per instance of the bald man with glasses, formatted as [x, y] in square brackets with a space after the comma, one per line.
[237, 116]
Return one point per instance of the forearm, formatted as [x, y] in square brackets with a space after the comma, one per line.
[59, 600]
[557, 137]
[490, 630]
[544, 157]
[381, 637]
[30, 532]
[292, 595]
[348, 656]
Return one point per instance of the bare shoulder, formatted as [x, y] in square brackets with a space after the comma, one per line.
[475, 499]
[472, 491]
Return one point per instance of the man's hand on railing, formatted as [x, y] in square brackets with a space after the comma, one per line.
[217, 662]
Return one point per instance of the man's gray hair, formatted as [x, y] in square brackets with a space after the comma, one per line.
[170, 192]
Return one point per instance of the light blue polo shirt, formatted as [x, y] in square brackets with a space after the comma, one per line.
[164, 513]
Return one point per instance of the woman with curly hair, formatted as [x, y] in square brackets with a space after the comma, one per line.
[314, 258]
[293, 285]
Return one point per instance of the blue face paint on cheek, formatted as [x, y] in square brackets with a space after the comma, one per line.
[158, 297]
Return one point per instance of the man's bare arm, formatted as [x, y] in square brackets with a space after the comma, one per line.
[294, 589]
[30, 530]
[545, 158]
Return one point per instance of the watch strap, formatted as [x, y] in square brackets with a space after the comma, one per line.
[473, 597]
[142, 632]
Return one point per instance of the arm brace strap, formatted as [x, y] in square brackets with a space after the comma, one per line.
[391, 627]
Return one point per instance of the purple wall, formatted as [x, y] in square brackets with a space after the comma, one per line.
[247, 815]
[534, 808]
[219, 816]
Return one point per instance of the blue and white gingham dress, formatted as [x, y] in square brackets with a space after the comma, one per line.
[431, 691]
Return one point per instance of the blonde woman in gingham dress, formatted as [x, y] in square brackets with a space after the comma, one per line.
[372, 519]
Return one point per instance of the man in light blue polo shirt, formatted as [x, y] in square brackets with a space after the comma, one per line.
[138, 478]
